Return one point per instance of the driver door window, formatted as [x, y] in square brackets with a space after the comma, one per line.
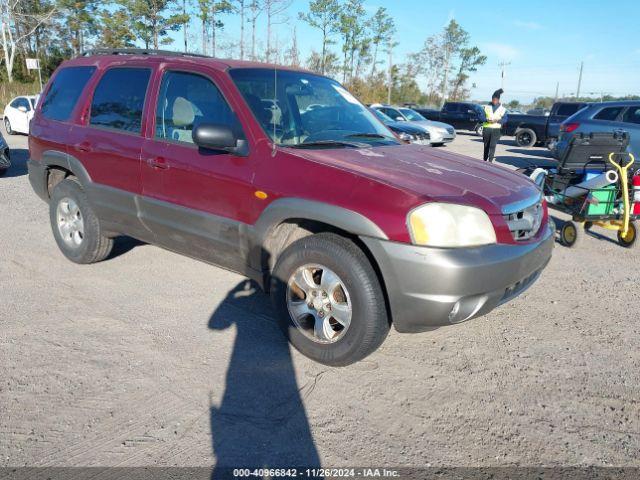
[185, 101]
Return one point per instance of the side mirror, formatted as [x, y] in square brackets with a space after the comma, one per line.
[22, 108]
[215, 137]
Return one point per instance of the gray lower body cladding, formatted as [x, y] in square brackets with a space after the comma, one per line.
[432, 287]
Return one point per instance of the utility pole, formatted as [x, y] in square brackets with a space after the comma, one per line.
[579, 79]
[502, 65]
[555, 99]
[446, 76]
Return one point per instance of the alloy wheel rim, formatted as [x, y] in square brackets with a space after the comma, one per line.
[319, 303]
[70, 222]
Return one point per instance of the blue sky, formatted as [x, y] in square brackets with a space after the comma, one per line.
[545, 41]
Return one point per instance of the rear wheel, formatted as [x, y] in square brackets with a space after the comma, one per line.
[629, 239]
[479, 129]
[526, 137]
[75, 225]
[7, 126]
[569, 236]
[329, 301]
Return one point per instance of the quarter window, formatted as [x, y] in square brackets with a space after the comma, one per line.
[568, 109]
[65, 91]
[118, 100]
[609, 113]
[632, 115]
[187, 100]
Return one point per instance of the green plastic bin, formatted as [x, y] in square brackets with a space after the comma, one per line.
[606, 201]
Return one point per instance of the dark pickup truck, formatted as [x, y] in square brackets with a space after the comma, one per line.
[531, 130]
[462, 115]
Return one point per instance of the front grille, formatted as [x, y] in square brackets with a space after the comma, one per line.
[450, 130]
[525, 223]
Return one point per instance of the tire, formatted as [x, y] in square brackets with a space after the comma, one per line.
[588, 226]
[5, 163]
[569, 235]
[479, 129]
[526, 137]
[75, 225]
[7, 126]
[628, 240]
[355, 288]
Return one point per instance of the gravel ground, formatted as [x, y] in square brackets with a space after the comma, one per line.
[151, 358]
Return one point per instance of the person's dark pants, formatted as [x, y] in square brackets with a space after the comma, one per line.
[490, 137]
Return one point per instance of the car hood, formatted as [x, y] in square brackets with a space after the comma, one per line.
[432, 174]
[405, 127]
[430, 124]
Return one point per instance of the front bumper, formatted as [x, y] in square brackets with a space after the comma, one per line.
[432, 287]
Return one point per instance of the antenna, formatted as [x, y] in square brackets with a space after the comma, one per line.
[273, 108]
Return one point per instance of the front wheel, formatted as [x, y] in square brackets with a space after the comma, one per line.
[328, 299]
[569, 235]
[629, 239]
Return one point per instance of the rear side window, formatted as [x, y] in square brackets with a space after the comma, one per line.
[187, 100]
[65, 91]
[609, 113]
[632, 115]
[568, 109]
[118, 99]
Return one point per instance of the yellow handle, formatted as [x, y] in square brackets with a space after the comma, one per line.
[624, 184]
[612, 155]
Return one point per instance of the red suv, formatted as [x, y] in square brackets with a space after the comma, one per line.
[283, 176]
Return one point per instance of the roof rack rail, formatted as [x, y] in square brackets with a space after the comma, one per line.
[138, 51]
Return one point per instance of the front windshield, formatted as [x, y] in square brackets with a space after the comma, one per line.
[382, 116]
[412, 115]
[302, 109]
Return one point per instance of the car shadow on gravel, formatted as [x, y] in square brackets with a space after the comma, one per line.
[261, 421]
[122, 245]
[18, 166]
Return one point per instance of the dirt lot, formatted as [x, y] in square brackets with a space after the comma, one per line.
[150, 358]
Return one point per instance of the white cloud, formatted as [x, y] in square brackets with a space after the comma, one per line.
[501, 50]
[528, 25]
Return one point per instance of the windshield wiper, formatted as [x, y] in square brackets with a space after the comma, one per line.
[329, 143]
[368, 135]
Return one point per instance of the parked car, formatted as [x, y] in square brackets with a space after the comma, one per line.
[404, 130]
[462, 115]
[5, 157]
[348, 229]
[531, 130]
[440, 133]
[539, 111]
[603, 117]
[18, 113]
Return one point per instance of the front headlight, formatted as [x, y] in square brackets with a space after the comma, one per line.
[450, 225]
[406, 137]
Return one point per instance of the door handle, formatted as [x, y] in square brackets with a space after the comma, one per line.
[83, 146]
[158, 162]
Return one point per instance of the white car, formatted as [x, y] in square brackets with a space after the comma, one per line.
[440, 133]
[18, 114]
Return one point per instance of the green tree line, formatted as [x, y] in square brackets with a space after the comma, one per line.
[356, 48]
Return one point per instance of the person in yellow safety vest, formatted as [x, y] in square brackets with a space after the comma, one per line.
[494, 112]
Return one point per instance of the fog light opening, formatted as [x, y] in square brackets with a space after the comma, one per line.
[454, 311]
